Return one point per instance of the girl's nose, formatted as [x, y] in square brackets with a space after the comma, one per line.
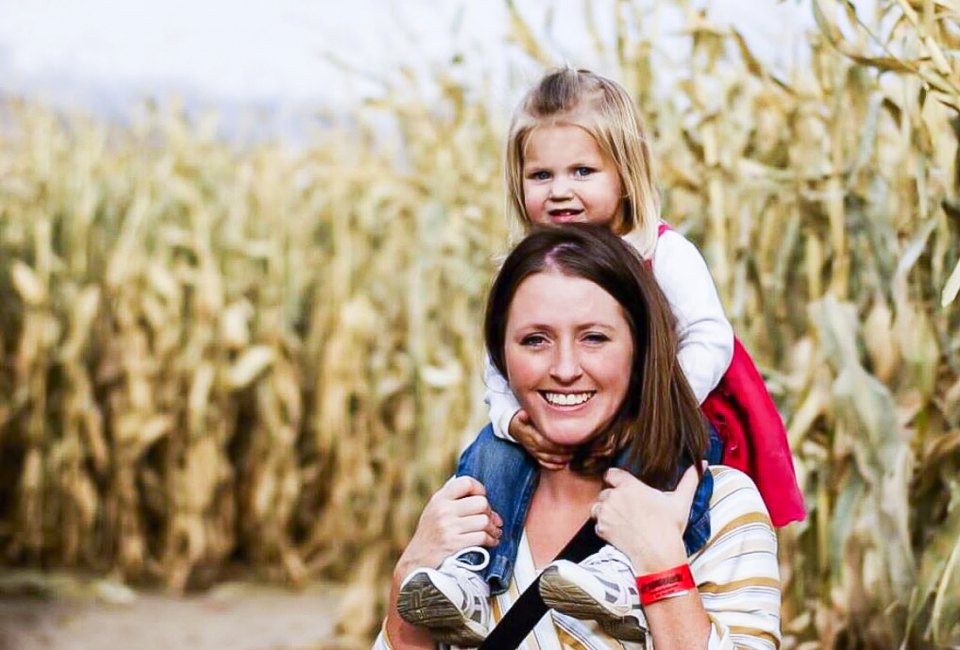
[566, 365]
[560, 189]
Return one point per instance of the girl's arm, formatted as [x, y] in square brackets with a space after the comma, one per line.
[500, 400]
[511, 423]
[706, 336]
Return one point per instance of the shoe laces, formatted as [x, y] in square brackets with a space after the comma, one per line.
[462, 560]
[467, 574]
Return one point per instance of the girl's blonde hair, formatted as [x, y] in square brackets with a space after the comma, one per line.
[605, 110]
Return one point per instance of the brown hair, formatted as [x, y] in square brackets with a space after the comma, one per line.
[605, 110]
[659, 421]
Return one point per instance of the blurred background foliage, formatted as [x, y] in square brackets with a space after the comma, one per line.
[220, 355]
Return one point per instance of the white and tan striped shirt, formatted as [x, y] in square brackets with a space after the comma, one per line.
[736, 572]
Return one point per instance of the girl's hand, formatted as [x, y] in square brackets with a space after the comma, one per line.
[643, 522]
[550, 455]
[457, 516]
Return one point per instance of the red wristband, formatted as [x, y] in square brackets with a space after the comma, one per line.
[665, 584]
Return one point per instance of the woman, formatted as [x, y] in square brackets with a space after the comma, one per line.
[586, 340]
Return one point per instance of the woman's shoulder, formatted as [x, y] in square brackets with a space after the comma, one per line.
[735, 497]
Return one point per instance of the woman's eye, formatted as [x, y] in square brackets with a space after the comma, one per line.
[533, 340]
[596, 337]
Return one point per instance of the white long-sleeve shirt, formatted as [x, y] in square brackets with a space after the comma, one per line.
[706, 337]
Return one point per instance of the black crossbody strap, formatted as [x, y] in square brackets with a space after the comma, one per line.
[514, 627]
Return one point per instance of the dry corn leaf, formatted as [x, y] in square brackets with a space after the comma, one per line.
[252, 363]
[28, 284]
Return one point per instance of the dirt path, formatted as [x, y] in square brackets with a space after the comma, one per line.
[233, 617]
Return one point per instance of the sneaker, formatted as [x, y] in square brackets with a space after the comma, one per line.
[602, 588]
[451, 601]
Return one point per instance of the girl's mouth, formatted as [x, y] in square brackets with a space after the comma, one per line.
[560, 216]
[567, 399]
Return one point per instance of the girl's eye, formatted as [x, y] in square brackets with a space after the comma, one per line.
[539, 175]
[583, 171]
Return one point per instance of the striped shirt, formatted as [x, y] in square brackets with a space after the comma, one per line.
[736, 572]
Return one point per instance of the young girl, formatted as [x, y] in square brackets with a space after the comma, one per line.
[578, 151]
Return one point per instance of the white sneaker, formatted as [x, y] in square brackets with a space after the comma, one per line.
[451, 601]
[601, 588]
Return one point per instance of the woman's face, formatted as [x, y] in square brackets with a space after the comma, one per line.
[568, 350]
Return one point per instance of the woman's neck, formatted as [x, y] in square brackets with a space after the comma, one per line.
[568, 486]
[561, 503]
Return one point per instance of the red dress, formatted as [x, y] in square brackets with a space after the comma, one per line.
[754, 438]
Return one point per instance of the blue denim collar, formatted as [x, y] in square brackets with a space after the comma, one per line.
[698, 524]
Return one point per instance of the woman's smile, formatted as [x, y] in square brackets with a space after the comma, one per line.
[567, 399]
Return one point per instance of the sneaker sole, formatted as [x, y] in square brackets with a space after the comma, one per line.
[625, 629]
[559, 592]
[421, 603]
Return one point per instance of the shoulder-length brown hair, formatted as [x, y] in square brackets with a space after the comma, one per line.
[659, 421]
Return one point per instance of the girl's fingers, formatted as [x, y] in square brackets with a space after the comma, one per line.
[546, 447]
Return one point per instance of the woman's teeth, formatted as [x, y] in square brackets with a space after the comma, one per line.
[567, 399]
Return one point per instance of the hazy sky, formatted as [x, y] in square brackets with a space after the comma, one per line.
[102, 54]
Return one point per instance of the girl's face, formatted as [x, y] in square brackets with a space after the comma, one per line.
[566, 177]
[568, 350]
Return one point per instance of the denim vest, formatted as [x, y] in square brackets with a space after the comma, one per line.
[509, 475]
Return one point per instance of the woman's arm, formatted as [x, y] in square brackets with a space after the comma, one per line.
[737, 571]
[647, 525]
[737, 601]
[457, 516]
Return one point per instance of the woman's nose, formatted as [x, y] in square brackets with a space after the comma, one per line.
[566, 365]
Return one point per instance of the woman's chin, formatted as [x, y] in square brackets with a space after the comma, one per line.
[566, 436]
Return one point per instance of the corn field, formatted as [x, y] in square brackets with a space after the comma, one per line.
[220, 355]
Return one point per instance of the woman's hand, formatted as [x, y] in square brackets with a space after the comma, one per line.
[457, 516]
[643, 522]
[550, 455]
